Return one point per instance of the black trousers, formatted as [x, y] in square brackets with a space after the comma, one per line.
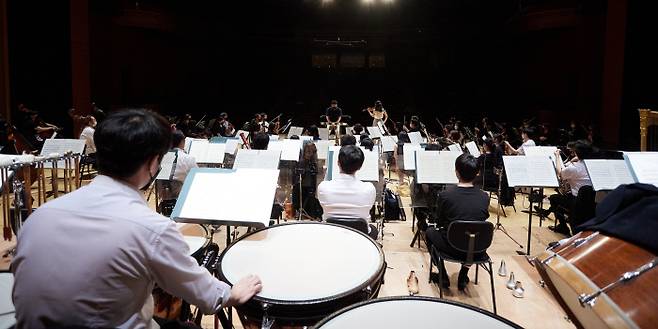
[560, 205]
[439, 239]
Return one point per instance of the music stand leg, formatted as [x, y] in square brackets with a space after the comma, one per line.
[499, 226]
[527, 253]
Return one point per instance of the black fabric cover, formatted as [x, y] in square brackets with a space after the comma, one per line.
[630, 213]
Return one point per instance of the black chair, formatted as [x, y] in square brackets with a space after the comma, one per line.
[472, 238]
[358, 224]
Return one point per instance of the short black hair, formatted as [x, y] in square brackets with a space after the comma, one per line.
[363, 136]
[350, 159]
[489, 143]
[467, 167]
[313, 131]
[583, 149]
[347, 140]
[259, 141]
[333, 101]
[529, 131]
[357, 128]
[127, 139]
[176, 138]
[367, 143]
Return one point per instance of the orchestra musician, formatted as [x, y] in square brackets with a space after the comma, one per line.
[526, 135]
[87, 134]
[127, 247]
[574, 173]
[378, 114]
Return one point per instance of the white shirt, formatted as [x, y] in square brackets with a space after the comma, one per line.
[345, 196]
[184, 163]
[527, 143]
[88, 135]
[576, 175]
[92, 257]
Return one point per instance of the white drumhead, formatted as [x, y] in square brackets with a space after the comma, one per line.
[195, 236]
[7, 310]
[412, 313]
[303, 262]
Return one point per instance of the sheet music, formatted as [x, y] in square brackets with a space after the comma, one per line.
[548, 151]
[374, 132]
[369, 171]
[415, 137]
[291, 148]
[167, 165]
[295, 131]
[323, 148]
[530, 171]
[607, 175]
[382, 129]
[388, 143]
[455, 148]
[190, 140]
[274, 138]
[232, 145]
[228, 197]
[644, 166]
[207, 152]
[257, 159]
[436, 167]
[61, 146]
[409, 151]
[348, 130]
[473, 149]
[324, 133]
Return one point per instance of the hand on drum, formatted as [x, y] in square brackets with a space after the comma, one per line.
[244, 289]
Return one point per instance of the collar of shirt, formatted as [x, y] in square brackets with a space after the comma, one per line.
[119, 185]
[344, 176]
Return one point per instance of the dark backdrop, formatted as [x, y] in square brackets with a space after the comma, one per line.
[455, 57]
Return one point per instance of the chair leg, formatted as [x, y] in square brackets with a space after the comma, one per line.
[477, 272]
[493, 289]
[441, 266]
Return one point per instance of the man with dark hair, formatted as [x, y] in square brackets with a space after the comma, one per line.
[184, 161]
[110, 248]
[464, 202]
[259, 141]
[345, 196]
[346, 140]
[333, 113]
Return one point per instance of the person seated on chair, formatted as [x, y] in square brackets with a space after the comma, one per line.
[345, 196]
[260, 141]
[346, 140]
[127, 247]
[488, 160]
[184, 161]
[573, 173]
[464, 202]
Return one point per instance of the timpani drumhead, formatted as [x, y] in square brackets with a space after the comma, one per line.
[195, 236]
[304, 261]
[413, 312]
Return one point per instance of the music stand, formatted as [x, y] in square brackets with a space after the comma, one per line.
[531, 172]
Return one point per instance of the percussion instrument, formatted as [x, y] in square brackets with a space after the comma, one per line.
[7, 310]
[413, 312]
[196, 236]
[308, 270]
[602, 281]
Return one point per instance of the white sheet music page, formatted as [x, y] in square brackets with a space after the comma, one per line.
[473, 149]
[295, 131]
[644, 166]
[455, 148]
[415, 137]
[409, 155]
[61, 146]
[548, 151]
[388, 143]
[530, 171]
[374, 132]
[257, 159]
[245, 195]
[205, 152]
[231, 145]
[291, 148]
[369, 171]
[436, 167]
[323, 148]
[323, 133]
[167, 165]
[607, 175]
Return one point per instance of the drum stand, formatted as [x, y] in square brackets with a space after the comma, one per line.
[499, 226]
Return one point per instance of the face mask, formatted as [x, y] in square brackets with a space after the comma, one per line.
[146, 187]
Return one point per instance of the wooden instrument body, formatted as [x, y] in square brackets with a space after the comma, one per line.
[585, 269]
